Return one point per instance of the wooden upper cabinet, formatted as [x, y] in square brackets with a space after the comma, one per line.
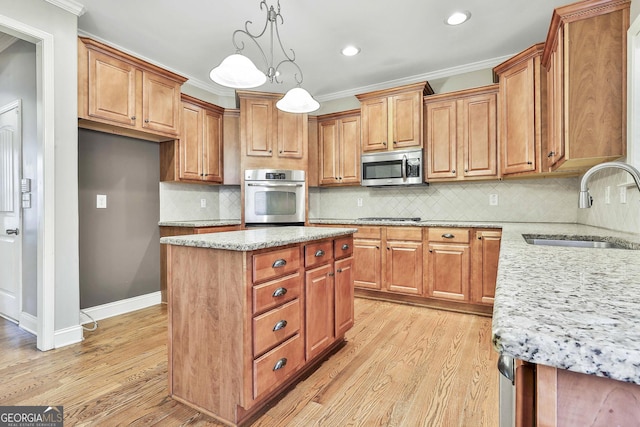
[461, 135]
[271, 138]
[117, 89]
[392, 118]
[585, 55]
[520, 116]
[197, 156]
[339, 148]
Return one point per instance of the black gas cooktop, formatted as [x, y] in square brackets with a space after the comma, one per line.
[382, 218]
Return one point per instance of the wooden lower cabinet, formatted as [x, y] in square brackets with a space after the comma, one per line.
[449, 268]
[243, 326]
[552, 397]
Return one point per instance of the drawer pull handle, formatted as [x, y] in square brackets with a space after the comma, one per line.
[279, 292]
[280, 325]
[280, 364]
[319, 253]
[279, 263]
[345, 247]
[448, 236]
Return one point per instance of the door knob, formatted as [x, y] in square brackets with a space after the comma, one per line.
[13, 231]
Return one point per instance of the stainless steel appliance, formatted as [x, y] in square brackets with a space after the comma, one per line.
[274, 197]
[398, 167]
[506, 390]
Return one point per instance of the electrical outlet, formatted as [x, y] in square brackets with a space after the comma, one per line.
[493, 199]
[359, 202]
[101, 201]
[623, 194]
[203, 203]
[607, 195]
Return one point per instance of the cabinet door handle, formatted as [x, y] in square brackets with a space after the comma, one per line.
[551, 154]
[279, 263]
[280, 325]
[280, 364]
[448, 236]
[377, 247]
[331, 274]
[384, 143]
[339, 270]
[146, 120]
[11, 231]
[453, 171]
[319, 253]
[345, 247]
[529, 163]
[431, 250]
[279, 292]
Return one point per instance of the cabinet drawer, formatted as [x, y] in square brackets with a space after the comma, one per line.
[275, 367]
[367, 233]
[449, 235]
[269, 265]
[275, 326]
[318, 253]
[343, 247]
[272, 294]
[404, 233]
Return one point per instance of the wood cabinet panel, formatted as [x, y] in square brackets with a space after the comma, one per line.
[448, 235]
[275, 326]
[407, 120]
[367, 269]
[344, 295]
[343, 247]
[292, 130]
[212, 154]
[318, 253]
[404, 267]
[319, 294]
[404, 233]
[449, 271]
[276, 263]
[484, 268]
[259, 127]
[374, 125]
[479, 135]
[191, 143]
[276, 366]
[442, 142]
[160, 103]
[339, 140]
[272, 294]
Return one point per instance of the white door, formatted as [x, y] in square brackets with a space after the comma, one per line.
[10, 211]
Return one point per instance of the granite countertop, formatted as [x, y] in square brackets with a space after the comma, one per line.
[257, 238]
[570, 308]
[200, 223]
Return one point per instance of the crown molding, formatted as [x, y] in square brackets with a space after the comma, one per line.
[446, 72]
[70, 6]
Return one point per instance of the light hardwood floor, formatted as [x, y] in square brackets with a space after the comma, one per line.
[402, 366]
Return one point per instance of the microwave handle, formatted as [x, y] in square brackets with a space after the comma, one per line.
[273, 185]
[404, 167]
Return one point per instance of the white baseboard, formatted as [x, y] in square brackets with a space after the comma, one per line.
[29, 323]
[116, 308]
[67, 336]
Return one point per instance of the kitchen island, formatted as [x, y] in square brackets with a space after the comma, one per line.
[252, 311]
[571, 316]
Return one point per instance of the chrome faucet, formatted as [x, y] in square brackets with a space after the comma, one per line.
[585, 198]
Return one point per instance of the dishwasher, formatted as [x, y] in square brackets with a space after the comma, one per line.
[507, 391]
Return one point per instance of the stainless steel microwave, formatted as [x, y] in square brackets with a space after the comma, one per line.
[398, 167]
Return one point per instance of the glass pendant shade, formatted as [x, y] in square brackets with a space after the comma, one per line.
[297, 100]
[238, 72]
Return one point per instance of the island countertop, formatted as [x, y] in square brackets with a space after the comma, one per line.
[257, 238]
[570, 308]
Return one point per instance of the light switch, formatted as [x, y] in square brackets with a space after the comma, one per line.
[101, 201]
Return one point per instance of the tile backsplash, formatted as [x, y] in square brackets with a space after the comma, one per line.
[527, 200]
[183, 202]
[613, 215]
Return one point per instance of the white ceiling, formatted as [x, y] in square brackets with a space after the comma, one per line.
[402, 41]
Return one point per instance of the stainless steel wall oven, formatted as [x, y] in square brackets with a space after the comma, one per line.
[274, 197]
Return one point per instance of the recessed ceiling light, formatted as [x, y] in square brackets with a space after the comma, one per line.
[350, 51]
[458, 18]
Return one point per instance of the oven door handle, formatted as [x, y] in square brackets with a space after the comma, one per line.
[251, 184]
[404, 167]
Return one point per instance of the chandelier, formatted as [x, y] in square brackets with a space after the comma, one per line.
[239, 72]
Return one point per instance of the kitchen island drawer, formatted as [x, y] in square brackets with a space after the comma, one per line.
[275, 326]
[318, 253]
[276, 366]
[449, 235]
[343, 247]
[272, 294]
[272, 264]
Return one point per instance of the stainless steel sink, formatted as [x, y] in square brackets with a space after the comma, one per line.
[575, 242]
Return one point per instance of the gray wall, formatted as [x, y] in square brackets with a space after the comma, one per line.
[119, 245]
[18, 81]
